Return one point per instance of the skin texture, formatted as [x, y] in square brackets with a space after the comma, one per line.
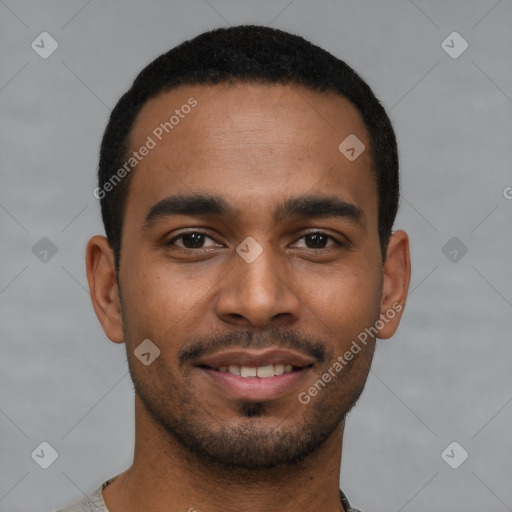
[254, 145]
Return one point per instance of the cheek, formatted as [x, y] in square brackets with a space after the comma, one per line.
[158, 297]
[342, 302]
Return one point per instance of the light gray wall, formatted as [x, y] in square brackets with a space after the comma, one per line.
[444, 377]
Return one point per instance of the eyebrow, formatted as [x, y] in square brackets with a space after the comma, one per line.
[306, 206]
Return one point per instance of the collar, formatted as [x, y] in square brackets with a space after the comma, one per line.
[346, 504]
[99, 497]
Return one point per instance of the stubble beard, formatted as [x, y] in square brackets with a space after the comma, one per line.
[252, 441]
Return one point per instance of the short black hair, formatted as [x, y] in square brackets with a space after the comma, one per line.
[246, 54]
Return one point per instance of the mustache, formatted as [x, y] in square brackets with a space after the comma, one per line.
[270, 338]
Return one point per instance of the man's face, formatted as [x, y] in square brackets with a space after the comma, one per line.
[315, 286]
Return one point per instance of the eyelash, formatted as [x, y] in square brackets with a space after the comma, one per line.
[181, 235]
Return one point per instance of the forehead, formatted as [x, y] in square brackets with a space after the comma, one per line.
[248, 142]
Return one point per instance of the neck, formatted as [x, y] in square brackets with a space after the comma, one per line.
[166, 476]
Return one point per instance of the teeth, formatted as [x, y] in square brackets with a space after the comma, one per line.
[278, 369]
[263, 372]
[247, 371]
[234, 369]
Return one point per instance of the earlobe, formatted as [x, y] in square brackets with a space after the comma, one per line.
[101, 275]
[395, 285]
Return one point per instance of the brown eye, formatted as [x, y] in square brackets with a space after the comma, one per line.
[191, 240]
[318, 240]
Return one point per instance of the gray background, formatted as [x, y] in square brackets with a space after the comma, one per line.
[444, 377]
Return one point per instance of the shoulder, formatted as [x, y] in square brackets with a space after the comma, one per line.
[83, 505]
[91, 503]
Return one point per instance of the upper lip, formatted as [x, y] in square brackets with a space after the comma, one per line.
[255, 358]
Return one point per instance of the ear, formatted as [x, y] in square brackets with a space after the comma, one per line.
[395, 284]
[101, 275]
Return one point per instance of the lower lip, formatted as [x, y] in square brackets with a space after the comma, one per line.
[254, 388]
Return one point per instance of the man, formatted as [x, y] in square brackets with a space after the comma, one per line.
[248, 184]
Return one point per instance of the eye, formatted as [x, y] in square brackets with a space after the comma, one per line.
[196, 240]
[192, 240]
[318, 239]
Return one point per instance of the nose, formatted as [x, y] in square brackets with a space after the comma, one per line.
[258, 293]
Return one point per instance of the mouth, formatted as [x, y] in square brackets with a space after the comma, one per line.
[255, 374]
[252, 383]
[261, 372]
[244, 362]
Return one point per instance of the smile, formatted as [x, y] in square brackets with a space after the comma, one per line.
[255, 383]
[262, 372]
